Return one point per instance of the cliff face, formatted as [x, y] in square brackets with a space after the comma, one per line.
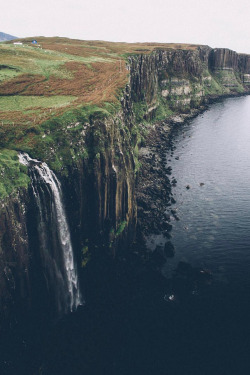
[244, 63]
[99, 187]
[99, 193]
[162, 69]
[14, 254]
[230, 67]
[100, 190]
[222, 58]
[170, 81]
[244, 68]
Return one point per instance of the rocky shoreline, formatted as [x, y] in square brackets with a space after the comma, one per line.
[154, 182]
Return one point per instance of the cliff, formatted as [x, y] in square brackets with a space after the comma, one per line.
[94, 148]
[14, 255]
[167, 82]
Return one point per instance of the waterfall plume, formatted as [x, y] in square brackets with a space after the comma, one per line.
[55, 246]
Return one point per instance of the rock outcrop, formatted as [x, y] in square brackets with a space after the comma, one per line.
[180, 80]
[14, 255]
[223, 58]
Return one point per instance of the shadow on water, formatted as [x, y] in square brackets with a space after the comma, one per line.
[131, 326]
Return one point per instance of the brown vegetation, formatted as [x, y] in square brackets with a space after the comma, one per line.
[91, 71]
[91, 84]
[20, 84]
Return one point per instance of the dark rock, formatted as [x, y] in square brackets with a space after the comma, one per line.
[166, 216]
[165, 226]
[157, 256]
[142, 203]
[169, 170]
[169, 249]
[167, 235]
[173, 211]
[168, 226]
[223, 58]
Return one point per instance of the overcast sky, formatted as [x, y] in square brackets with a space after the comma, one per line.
[217, 23]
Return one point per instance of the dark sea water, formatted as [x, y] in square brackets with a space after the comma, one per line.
[211, 231]
[214, 226]
[212, 156]
[129, 326]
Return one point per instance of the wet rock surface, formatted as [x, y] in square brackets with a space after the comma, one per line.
[154, 181]
[153, 185]
[169, 249]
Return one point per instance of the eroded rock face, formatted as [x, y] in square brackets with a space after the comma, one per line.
[244, 63]
[185, 79]
[14, 255]
[223, 58]
[112, 178]
[244, 68]
[149, 72]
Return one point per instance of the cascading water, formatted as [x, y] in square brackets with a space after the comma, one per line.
[55, 245]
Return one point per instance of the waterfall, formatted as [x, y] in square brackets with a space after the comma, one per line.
[55, 247]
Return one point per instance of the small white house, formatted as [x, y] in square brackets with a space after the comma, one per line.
[18, 43]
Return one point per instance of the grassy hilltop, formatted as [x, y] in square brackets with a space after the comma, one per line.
[44, 87]
[40, 81]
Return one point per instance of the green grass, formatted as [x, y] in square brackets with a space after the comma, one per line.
[81, 114]
[61, 137]
[228, 80]
[162, 111]
[7, 73]
[21, 103]
[85, 256]
[41, 61]
[30, 60]
[50, 67]
[13, 175]
[121, 228]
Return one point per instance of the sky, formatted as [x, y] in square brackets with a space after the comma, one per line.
[217, 23]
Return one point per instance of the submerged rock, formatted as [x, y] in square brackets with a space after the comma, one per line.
[169, 249]
[157, 257]
[169, 170]
[166, 234]
[189, 280]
